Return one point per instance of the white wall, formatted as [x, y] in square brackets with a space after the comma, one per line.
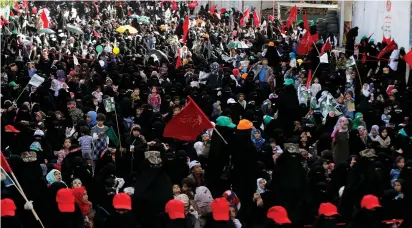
[373, 17]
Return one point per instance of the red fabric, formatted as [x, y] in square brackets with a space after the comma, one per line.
[96, 34]
[222, 10]
[129, 12]
[256, 19]
[45, 20]
[174, 6]
[364, 58]
[392, 46]
[408, 58]
[179, 60]
[192, 5]
[292, 17]
[303, 46]
[386, 41]
[305, 22]
[315, 37]
[185, 28]
[11, 13]
[8, 208]
[309, 79]
[326, 47]
[188, 123]
[78, 198]
[26, 4]
[212, 10]
[5, 164]
[271, 18]
[17, 6]
[242, 19]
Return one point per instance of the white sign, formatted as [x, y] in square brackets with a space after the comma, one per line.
[36, 80]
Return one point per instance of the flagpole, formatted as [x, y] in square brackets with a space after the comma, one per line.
[314, 74]
[15, 101]
[214, 129]
[25, 197]
[356, 66]
[118, 130]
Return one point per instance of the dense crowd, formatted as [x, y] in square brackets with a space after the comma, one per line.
[87, 89]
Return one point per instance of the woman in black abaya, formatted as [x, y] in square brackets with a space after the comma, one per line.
[151, 192]
[245, 166]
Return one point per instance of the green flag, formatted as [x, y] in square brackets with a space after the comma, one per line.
[112, 136]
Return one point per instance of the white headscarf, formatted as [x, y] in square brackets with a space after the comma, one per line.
[259, 189]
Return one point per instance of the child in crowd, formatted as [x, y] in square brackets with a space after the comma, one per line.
[100, 140]
[176, 190]
[85, 141]
[61, 154]
[233, 215]
[400, 163]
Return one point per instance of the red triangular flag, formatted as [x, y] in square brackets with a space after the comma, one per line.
[256, 19]
[17, 6]
[26, 4]
[4, 164]
[179, 60]
[96, 34]
[305, 22]
[45, 20]
[309, 79]
[242, 19]
[326, 47]
[188, 123]
[408, 58]
[292, 17]
[185, 28]
[212, 10]
[392, 46]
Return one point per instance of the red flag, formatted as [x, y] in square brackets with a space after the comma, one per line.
[242, 19]
[303, 46]
[96, 34]
[129, 12]
[315, 37]
[188, 123]
[305, 22]
[212, 10]
[256, 19]
[4, 164]
[185, 28]
[222, 10]
[292, 17]
[26, 4]
[271, 18]
[45, 20]
[408, 58]
[392, 46]
[17, 6]
[309, 79]
[11, 13]
[326, 47]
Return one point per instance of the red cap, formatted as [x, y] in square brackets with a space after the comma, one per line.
[328, 209]
[369, 202]
[8, 208]
[65, 200]
[122, 201]
[220, 209]
[279, 215]
[235, 72]
[175, 209]
[11, 128]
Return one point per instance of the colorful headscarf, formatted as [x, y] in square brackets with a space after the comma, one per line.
[259, 142]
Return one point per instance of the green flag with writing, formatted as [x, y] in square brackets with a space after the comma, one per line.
[112, 136]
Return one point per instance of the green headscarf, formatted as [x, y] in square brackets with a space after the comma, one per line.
[357, 122]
